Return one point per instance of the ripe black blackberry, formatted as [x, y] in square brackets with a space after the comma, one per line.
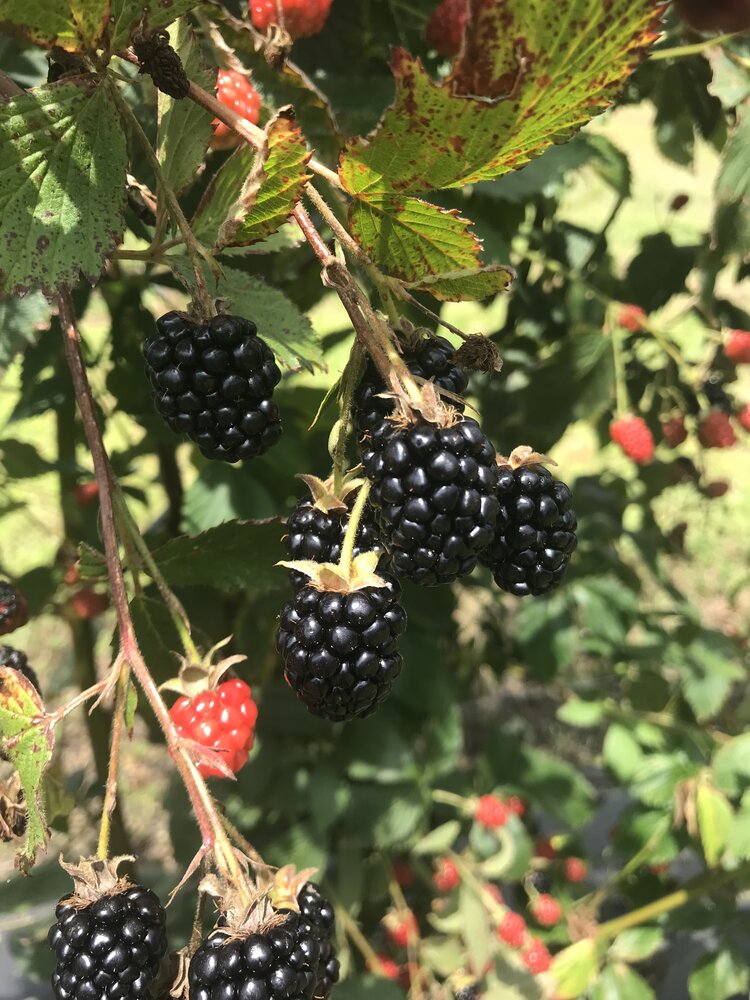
[109, 944]
[317, 526]
[536, 527]
[215, 384]
[13, 609]
[434, 489]
[10, 657]
[428, 358]
[293, 960]
[338, 639]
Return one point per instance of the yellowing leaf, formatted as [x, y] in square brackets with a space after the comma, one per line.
[715, 818]
[574, 968]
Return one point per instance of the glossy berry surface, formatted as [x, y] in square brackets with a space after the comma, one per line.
[13, 609]
[292, 961]
[434, 490]
[536, 957]
[430, 358]
[14, 658]
[302, 18]
[715, 431]
[547, 911]
[575, 870]
[340, 651]
[446, 877]
[512, 929]
[535, 534]
[317, 534]
[110, 949]
[491, 812]
[445, 29]
[634, 437]
[236, 92]
[737, 347]
[215, 384]
[222, 720]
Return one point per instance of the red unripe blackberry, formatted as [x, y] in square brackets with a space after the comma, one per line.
[401, 927]
[222, 719]
[491, 812]
[715, 431]
[632, 318]
[516, 805]
[512, 930]
[386, 967]
[544, 848]
[737, 347]
[546, 910]
[427, 358]
[14, 658]
[86, 493]
[293, 960]
[302, 18]
[340, 650]
[215, 383]
[715, 15]
[674, 431]
[434, 489]
[109, 949]
[575, 870]
[744, 416]
[14, 611]
[445, 29]
[536, 957]
[633, 435]
[535, 534]
[86, 603]
[446, 877]
[234, 90]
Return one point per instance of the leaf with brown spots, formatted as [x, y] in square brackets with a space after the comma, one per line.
[62, 185]
[27, 741]
[126, 14]
[74, 26]
[540, 71]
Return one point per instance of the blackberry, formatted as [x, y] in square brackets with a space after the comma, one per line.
[536, 527]
[13, 609]
[316, 529]
[430, 358]
[434, 490]
[340, 647]
[109, 949]
[540, 881]
[215, 383]
[10, 657]
[293, 960]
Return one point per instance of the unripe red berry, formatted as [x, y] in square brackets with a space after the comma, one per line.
[575, 870]
[744, 416]
[404, 874]
[491, 812]
[546, 910]
[401, 927]
[236, 92]
[85, 493]
[536, 957]
[385, 967]
[632, 434]
[446, 878]
[543, 848]
[445, 30]
[302, 18]
[674, 431]
[715, 431]
[494, 891]
[632, 318]
[512, 930]
[516, 805]
[86, 603]
[737, 347]
[222, 720]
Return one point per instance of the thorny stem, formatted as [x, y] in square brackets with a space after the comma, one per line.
[110, 794]
[347, 549]
[209, 821]
[339, 231]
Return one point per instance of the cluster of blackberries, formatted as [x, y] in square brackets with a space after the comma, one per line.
[214, 382]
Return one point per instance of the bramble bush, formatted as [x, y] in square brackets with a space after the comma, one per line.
[203, 297]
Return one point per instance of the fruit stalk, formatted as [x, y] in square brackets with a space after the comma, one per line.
[110, 793]
[347, 549]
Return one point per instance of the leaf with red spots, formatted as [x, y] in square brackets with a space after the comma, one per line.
[73, 26]
[62, 185]
[27, 741]
[538, 72]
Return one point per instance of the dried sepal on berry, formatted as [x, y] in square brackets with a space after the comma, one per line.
[95, 877]
[522, 456]
[479, 354]
[429, 405]
[334, 578]
[273, 894]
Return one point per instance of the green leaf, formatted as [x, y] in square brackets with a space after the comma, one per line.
[731, 765]
[439, 840]
[237, 555]
[715, 818]
[738, 839]
[376, 751]
[733, 183]
[157, 636]
[368, 988]
[575, 59]
[637, 944]
[126, 14]
[707, 671]
[574, 968]
[62, 185]
[657, 777]
[621, 752]
[20, 321]
[74, 25]
[27, 742]
[618, 982]
[469, 285]
[584, 714]
[184, 127]
[475, 927]
[22, 460]
[718, 976]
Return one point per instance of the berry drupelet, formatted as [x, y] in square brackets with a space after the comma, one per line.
[301, 18]
[535, 534]
[214, 382]
[14, 611]
[222, 719]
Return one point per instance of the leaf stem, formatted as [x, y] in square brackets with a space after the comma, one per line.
[347, 549]
[110, 794]
[694, 49]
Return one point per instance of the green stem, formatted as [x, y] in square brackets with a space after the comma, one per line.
[110, 795]
[621, 392]
[347, 549]
[695, 49]
[450, 799]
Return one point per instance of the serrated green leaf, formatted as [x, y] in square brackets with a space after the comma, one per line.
[731, 765]
[584, 714]
[20, 321]
[126, 14]
[715, 817]
[28, 743]
[574, 968]
[657, 777]
[469, 285]
[439, 840]
[621, 752]
[184, 127]
[718, 976]
[575, 60]
[238, 555]
[637, 944]
[62, 185]
[73, 26]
